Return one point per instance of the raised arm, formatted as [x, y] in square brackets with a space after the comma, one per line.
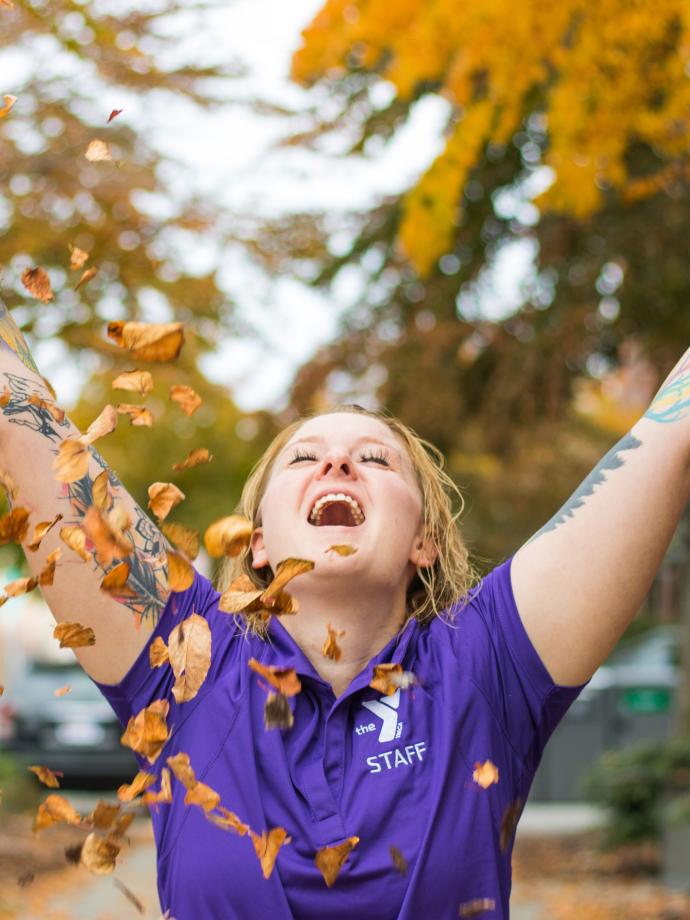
[29, 440]
[579, 581]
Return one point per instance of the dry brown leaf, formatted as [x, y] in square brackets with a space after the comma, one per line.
[164, 794]
[55, 411]
[115, 582]
[286, 570]
[158, 653]
[163, 497]
[183, 537]
[476, 906]
[242, 595]
[189, 652]
[98, 853]
[108, 541]
[399, 860]
[147, 731]
[21, 586]
[509, 822]
[102, 493]
[342, 549]
[228, 536]
[113, 114]
[2, 689]
[129, 791]
[75, 538]
[103, 424]
[53, 810]
[77, 257]
[37, 282]
[182, 769]
[5, 397]
[40, 530]
[485, 774]
[267, 844]
[194, 458]
[47, 776]
[136, 381]
[103, 815]
[391, 677]
[186, 398]
[330, 860]
[284, 680]
[97, 151]
[202, 795]
[62, 691]
[72, 460]
[227, 820]
[9, 484]
[87, 275]
[330, 648]
[14, 525]
[180, 572]
[121, 825]
[277, 712]
[139, 416]
[8, 99]
[149, 341]
[47, 573]
[74, 635]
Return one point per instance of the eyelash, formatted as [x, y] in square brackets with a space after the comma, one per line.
[380, 457]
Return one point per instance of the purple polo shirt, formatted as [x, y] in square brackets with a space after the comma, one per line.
[391, 770]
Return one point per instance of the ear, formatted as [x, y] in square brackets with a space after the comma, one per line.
[259, 557]
[424, 552]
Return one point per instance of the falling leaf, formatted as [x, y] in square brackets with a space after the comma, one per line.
[286, 570]
[330, 648]
[227, 820]
[47, 776]
[194, 458]
[74, 635]
[14, 525]
[62, 691]
[477, 906]
[103, 815]
[77, 257]
[9, 485]
[86, 276]
[228, 536]
[163, 497]
[2, 689]
[485, 774]
[99, 853]
[47, 573]
[7, 107]
[186, 398]
[37, 282]
[267, 845]
[277, 712]
[164, 794]
[342, 549]
[136, 381]
[5, 397]
[147, 731]
[40, 531]
[129, 791]
[183, 537]
[158, 653]
[330, 860]
[285, 680]
[75, 538]
[113, 114]
[8, 3]
[103, 424]
[72, 460]
[180, 572]
[189, 651]
[54, 810]
[202, 795]
[241, 595]
[399, 860]
[149, 341]
[108, 541]
[97, 151]
[509, 821]
[181, 767]
[101, 492]
[139, 416]
[56, 412]
[115, 582]
[384, 679]
[21, 586]
[131, 897]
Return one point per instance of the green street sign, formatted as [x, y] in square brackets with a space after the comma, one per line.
[646, 699]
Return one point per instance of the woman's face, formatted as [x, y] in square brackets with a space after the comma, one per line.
[327, 458]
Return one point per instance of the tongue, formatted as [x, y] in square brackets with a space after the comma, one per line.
[337, 514]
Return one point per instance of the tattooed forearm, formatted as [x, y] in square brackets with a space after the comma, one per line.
[11, 336]
[672, 402]
[611, 461]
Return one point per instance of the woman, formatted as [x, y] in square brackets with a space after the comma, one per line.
[413, 790]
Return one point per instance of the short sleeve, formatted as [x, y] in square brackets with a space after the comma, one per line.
[505, 666]
[143, 684]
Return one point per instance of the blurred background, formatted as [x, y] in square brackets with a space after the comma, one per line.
[473, 216]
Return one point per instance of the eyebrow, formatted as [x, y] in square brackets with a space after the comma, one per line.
[320, 440]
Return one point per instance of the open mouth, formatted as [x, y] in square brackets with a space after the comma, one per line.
[336, 510]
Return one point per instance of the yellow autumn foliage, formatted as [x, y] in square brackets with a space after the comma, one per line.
[601, 74]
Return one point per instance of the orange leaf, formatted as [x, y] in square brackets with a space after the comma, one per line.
[330, 648]
[163, 497]
[77, 258]
[138, 381]
[14, 525]
[149, 341]
[108, 541]
[86, 276]
[115, 582]
[40, 531]
[285, 680]
[183, 537]
[267, 845]
[158, 653]
[75, 538]
[74, 635]
[47, 776]
[101, 492]
[227, 820]
[139, 416]
[342, 549]
[147, 731]
[330, 860]
[8, 99]
[485, 774]
[476, 906]
[72, 460]
[189, 652]
[228, 536]
[37, 282]
[129, 791]
[47, 573]
[97, 151]
[194, 458]
[103, 424]
[164, 794]
[186, 398]
[98, 853]
[54, 809]
[56, 412]
[180, 572]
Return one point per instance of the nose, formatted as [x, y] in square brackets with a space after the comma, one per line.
[337, 463]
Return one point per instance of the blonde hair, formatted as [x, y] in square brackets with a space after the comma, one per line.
[434, 588]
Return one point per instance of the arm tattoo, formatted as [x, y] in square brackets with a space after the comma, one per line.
[148, 574]
[672, 402]
[611, 461]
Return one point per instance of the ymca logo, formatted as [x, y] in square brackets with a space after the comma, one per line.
[384, 709]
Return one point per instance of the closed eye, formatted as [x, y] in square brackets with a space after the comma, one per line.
[380, 457]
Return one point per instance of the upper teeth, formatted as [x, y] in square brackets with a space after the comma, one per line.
[321, 503]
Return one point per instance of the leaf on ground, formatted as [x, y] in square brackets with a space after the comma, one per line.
[285, 680]
[74, 635]
[228, 536]
[158, 652]
[136, 381]
[195, 457]
[40, 530]
[47, 776]
[330, 648]
[129, 791]
[53, 810]
[75, 538]
[184, 538]
[14, 526]
[163, 497]
[180, 572]
[267, 844]
[37, 282]
[149, 341]
[189, 651]
[104, 423]
[99, 853]
[186, 398]
[72, 461]
[147, 731]
[139, 416]
[330, 860]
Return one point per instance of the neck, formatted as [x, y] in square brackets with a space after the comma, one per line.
[370, 622]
